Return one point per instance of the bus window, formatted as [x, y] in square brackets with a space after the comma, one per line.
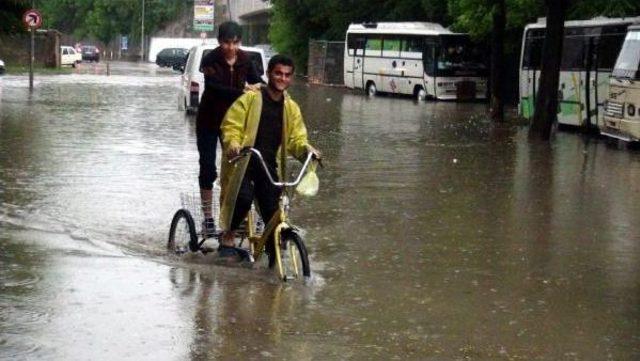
[457, 55]
[374, 46]
[608, 49]
[533, 50]
[573, 53]
[609, 45]
[628, 64]
[355, 43]
[429, 59]
[391, 47]
[412, 47]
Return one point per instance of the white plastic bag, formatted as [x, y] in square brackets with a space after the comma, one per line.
[309, 185]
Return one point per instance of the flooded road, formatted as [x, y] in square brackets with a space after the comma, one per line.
[436, 235]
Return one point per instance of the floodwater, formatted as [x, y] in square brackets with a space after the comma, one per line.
[436, 235]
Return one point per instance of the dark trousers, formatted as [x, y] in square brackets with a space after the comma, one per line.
[207, 140]
[256, 184]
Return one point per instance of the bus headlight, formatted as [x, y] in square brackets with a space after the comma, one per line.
[631, 110]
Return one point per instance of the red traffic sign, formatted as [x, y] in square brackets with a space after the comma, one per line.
[32, 18]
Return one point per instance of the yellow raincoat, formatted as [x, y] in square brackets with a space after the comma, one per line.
[239, 127]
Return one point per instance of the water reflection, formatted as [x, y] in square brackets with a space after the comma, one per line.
[232, 320]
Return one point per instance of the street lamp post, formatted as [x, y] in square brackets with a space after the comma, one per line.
[142, 35]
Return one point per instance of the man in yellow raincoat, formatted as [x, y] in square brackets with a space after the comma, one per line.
[270, 121]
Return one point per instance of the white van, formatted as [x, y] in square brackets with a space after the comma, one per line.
[192, 82]
[69, 56]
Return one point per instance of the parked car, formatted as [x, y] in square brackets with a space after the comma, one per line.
[192, 83]
[69, 56]
[170, 57]
[90, 53]
[2, 70]
[267, 49]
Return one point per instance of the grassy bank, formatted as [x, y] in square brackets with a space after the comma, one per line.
[15, 69]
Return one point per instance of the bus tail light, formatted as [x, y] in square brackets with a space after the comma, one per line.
[631, 110]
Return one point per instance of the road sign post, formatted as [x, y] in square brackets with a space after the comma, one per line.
[33, 20]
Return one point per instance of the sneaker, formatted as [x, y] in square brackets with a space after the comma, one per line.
[227, 251]
[209, 227]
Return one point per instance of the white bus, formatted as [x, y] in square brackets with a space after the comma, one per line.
[589, 52]
[622, 109]
[425, 60]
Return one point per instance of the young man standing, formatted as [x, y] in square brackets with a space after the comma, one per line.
[270, 121]
[227, 71]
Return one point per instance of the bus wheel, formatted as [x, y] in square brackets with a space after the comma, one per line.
[371, 89]
[420, 94]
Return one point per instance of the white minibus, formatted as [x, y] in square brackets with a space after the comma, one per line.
[421, 59]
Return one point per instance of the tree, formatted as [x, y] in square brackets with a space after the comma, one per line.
[11, 15]
[293, 23]
[497, 60]
[105, 19]
[546, 106]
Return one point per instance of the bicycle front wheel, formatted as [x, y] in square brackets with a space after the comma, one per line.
[182, 234]
[291, 256]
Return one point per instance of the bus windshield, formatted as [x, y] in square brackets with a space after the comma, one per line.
[459, 57]
[629, 57]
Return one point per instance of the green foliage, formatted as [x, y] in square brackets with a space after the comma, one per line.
[294, 22]
[612, 8]
[474, 16]
[11, 15]
[105, 19]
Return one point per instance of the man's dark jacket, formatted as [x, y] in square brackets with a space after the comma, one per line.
[223, 87]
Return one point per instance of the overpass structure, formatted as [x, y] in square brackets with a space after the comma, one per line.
[254, 16]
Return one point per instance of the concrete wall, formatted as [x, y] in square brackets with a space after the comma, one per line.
[253, 15]
[241, 10]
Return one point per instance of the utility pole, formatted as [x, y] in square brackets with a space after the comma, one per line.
[32, 32]
[142, 35]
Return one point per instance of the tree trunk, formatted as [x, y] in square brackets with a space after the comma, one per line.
[546, 107]
[497, 61]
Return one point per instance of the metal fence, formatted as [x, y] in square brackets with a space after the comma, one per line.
[326, 60]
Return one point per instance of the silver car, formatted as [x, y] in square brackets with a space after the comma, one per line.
[2, 70]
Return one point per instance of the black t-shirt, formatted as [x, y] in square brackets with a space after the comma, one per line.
[269, 134]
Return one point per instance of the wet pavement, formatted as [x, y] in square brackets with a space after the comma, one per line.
[436, 235]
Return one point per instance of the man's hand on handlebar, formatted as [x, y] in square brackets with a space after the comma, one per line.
[233, 151]
[316, 153]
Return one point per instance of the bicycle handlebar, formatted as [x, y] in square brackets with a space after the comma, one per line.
[248, 150]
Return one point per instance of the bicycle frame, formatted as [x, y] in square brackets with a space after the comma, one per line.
[280, 220]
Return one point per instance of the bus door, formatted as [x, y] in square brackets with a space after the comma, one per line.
[358, 61]
[530, 71]
[429, 62]
[590, 114]
[573, 89]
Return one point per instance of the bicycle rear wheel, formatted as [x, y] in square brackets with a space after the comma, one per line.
[182, 233]
[291, 257]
